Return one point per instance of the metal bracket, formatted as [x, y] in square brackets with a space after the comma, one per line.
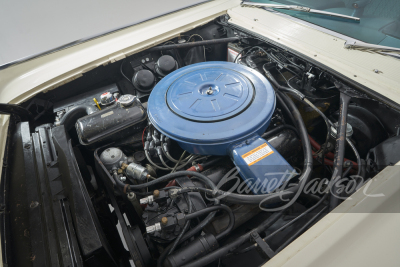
[262, 245]
[347, 90]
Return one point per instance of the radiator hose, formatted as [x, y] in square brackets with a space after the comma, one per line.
[69, 119]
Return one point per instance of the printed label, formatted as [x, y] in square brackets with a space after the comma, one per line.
[107, 114]
[257, 154]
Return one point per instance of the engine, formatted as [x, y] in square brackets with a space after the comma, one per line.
[197, 154]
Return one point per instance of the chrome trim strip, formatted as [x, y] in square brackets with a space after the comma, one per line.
[366, 46]
[299, 8]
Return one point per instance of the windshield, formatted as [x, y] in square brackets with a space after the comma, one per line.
[379, 24]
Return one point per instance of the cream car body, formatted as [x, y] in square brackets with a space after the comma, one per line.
[375, 236]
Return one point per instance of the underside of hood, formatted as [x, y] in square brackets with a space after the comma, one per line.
[30, 29]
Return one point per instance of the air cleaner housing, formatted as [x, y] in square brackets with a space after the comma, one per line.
[208, 106]
[218, 108]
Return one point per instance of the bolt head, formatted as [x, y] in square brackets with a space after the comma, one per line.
[164, 220]
[34, 204]
[131, 195]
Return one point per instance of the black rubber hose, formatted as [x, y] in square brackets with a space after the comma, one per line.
[284, 107]
[194, 44]
[283, 88]
[69, 118]
[198, 227]
[118, 181]
[202, 212]
[174, 175]
[213, 208]
[216, 254]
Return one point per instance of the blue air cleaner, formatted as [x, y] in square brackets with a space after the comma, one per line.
[221, 108]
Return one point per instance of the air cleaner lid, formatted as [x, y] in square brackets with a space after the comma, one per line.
[210, 94]
[211, 103]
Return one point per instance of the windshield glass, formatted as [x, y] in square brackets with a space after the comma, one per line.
[379, 24]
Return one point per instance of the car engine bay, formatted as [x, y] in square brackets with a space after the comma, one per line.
[196, 152]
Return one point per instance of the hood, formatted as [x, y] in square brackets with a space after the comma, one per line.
[34, 28]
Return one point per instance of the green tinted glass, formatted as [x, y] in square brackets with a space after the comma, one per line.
[379, 24]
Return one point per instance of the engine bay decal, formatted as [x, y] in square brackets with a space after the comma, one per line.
[257, 154]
